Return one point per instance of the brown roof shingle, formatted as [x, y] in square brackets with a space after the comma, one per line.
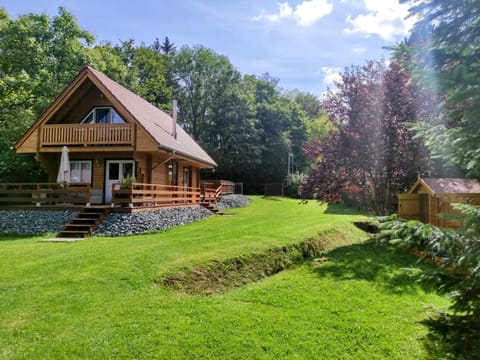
[156, 122]
[452, 185]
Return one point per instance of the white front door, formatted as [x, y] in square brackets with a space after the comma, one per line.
[116, 170]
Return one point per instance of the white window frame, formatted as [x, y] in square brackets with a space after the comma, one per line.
[80, 162]
[94, 112]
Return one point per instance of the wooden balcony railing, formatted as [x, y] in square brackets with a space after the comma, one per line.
[87, 134]
[43, 194]
[153, 195]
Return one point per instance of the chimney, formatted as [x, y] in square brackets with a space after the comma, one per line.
[174, 118]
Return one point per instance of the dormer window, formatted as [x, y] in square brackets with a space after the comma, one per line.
[103, 115]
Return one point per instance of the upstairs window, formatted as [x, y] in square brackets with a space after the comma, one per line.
[103, 115]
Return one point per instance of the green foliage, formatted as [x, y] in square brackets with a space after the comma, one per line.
[294, 181]
[105, 57]
[283, 130]
[151, 78]
[245, 123]
[316, 120]
[49, 51]
[40, 55]
[202, 77]
[459, 329]
[443, 54]
[414, 234]
[127, 181]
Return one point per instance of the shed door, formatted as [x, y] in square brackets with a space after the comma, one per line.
[424, 208]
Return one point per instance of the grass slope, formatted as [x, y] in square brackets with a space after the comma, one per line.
[97, 298]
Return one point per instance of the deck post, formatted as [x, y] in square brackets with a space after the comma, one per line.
[130, 196]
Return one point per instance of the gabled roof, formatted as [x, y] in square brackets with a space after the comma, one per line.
[155, 122]
[448, 185]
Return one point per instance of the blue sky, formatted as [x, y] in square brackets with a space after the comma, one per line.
[304, 43]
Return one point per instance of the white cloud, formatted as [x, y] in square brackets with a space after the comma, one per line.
[385, 18]
[359, 50]
[305, 14]
[332, 75]
[284, 11]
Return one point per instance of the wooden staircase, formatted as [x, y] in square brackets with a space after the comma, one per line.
[85, 222]
[212, 207]
[209, 198]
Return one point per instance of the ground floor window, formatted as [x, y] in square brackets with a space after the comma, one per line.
[81, 171]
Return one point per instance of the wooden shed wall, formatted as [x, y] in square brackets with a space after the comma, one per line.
[444, 206]
[410, 207]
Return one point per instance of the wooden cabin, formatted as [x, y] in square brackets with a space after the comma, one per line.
[429, 197]
[113, 134]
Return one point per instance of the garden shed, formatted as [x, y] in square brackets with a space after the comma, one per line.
[429, 197]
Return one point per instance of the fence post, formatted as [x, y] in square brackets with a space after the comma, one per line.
[37, 196]
[87, 196]
[130, 195]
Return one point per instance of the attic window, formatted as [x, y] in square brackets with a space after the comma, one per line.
[103, 115]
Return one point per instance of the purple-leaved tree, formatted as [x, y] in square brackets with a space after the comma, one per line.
[371, 155]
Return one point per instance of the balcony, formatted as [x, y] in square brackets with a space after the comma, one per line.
[87, 135]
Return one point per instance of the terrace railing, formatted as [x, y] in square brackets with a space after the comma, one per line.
[43, 194]
[154, 195]
[210, 195]
[228, 187]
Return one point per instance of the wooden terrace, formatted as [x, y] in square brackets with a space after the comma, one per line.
[136, 196]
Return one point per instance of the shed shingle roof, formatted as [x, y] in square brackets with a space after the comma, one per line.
[452, 185]
[156, 122]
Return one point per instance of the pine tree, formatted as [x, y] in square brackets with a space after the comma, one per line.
[168, 47]
[444, 54]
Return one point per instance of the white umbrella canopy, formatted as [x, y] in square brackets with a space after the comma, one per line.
[64, 169]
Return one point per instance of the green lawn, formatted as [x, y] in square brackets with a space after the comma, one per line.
[97, 298]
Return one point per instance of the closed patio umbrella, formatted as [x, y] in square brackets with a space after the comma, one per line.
[64, 169]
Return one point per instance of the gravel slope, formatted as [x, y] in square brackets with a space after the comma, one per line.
[116, 224]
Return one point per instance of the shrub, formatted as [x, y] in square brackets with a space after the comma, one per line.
[294, 181]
